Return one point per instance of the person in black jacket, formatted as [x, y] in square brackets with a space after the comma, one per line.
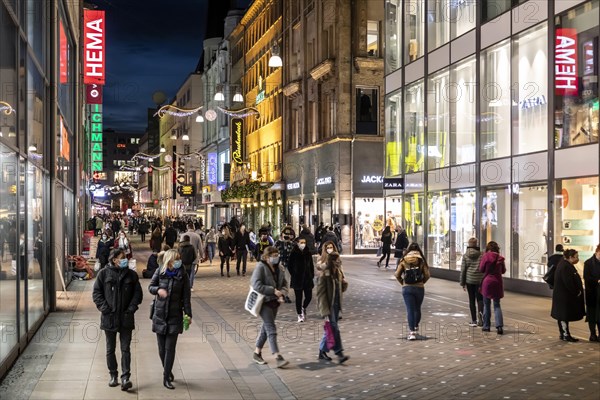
[401, 244]
[170, 236]
[386, 247]
[117, 294]
[105, 244]
[555, 258]
[188, 255]
[143, 228]
[302, 272]
[567, 296]
[591, 277]
[241, 242]
[307, 235]
[171, 286]
[225, 246]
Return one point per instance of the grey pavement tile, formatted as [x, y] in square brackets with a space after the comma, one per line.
[213, 389]
[59, 390]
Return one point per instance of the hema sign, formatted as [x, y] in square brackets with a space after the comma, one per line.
[93, 47]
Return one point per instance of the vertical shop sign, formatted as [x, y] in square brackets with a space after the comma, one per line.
[237, 140]
[96, 136]
[565, 63]
[93, 47]
[211, 167]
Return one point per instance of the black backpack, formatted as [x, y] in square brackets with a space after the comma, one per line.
[413, 275]
[549, 277]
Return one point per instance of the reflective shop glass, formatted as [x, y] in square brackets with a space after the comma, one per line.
[462, 95]
[414, 30]
[393, 133]
[393, 32]
[496, 219]
[369, 221]
[36, 195]
[448, 19]
[577, 108]
[414, 130]
[438, 124]
[8, 77]
[413, 218]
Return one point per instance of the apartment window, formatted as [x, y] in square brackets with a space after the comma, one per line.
[373, 38]
[313, 117]
[367, 111]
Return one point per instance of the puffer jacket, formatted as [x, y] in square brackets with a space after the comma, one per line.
[168, 311]
[411, 260]
[263, 281]
[469, 271]
[301, 268]
[326, 289]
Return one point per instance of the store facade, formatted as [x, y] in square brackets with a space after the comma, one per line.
[492, 123]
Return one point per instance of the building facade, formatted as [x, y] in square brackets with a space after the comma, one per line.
[40, 117]
[491, 126]
[333, 117]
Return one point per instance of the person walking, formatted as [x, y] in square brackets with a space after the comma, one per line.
[156, 239]
[328, 248]
[188, 258]
[123, 243]
[330, 287]
[211, 243]
[170, 235]
[470, 280]
[412, 274]
[567, 296]
[307, 235]
[268, 279]
[386, 247]
[171, 288]
[492, 287]
[302, 273]
[143, 228]
[225, 246]
[400, 245]
[241, 242]
[105, 245]
[117, 294]
[591, 277]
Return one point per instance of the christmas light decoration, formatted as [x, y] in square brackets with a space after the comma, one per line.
[211, 115]
[7, 108]
[176, 111]
[243, 113]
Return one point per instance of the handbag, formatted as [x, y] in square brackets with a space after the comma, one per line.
[132, 263]
[329, 336]
[97, 266]
[152, 304]
[254, 302]
[380, 251]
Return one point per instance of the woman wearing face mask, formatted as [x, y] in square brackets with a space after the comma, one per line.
[302, 272]
[268, 279]
[122, 242]
[105, 244]
[328, 248]
[171, 286]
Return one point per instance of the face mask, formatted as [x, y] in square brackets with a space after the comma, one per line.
[177, 264]
[123, 263]
[329, 251]
[122, 236]
[104, 237]
[301, 246]
[274, 260]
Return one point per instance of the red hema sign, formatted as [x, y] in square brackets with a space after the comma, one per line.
[93, 47]
[565, 62]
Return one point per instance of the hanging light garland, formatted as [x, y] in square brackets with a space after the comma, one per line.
[146, 157]
[176, 111]
[188, 156]
[7, 108]
[243, 113]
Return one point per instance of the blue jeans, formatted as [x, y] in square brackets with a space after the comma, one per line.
[211, 251]
[333, 320]
[413, 299]
[192, 275]
[487, 303]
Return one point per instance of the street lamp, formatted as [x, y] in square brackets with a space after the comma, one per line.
[162, 148]
[219, 96]
[275, 61]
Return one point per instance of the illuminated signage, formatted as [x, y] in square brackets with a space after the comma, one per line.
[211, 169]
[261, 90]
[237, 140]
[186, 190]
[292, 186]
[324, 181]
[96, 136]
[533, 102]
[372, 179]
[565, 63]
[99, 193]
[202, 169]
[93, 47]
[93, 94]
[64, 54]
[121, 146]
[393, 183]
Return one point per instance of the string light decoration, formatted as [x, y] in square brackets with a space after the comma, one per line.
[210, 115]
[176, 111]
[6, 108]
[243, 113]
[189, 156]
[145, 157]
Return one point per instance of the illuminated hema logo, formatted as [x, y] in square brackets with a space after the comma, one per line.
[95, 112]
[93, 47]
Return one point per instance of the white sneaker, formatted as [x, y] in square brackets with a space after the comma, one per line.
[473, 323]
[412, 336]
[300, 318]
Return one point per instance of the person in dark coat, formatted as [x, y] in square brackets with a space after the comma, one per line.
[492, 287]
[307, 235]
[156, 239]
[400, 245]
[117, 294]
[170, 236]
[567, 296]
[171, 286]
[188, 255]
[591, 277]
[319, 232]
[225, 247]
[302, 273]
[241, 244]
[143, 228]
[557, 257]
[105, 244]
[329, 236]
[386, 247]
[470, 280]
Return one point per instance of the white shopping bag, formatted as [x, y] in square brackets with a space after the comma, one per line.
[132, 264]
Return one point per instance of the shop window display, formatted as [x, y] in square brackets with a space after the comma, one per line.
[531, 231]
[438, 126]
[393, 212]
[576, 114]
[8, 76]
[393, 28]
[577, 224]
[414, 131]
[369, 222]
[438, 236]
[36, 185]
[463, 113]
[413, 218]
[414, 30]
[496, 219]
[462, 224]
[393, 134]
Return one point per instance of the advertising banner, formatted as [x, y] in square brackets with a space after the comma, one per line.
[237, 140]
[565, 63]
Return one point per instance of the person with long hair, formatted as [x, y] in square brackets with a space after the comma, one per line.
[302, 273]
[386, 247]
[330, 287]
[412, 274]
[156, 239]
[122, 242]
[568, 302]
[328, 248]
[268, 279]
[171, 286]
[591, 276]
[492, 287]
[225, 246]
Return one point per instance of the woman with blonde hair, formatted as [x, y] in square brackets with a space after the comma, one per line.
[171, 286]
[329, 247]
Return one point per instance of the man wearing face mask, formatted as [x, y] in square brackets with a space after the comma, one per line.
[302, 272]
[117, 294]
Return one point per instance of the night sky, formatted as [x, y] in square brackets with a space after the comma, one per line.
[151, 46]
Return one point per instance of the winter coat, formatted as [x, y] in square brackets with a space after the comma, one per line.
[225, 246]
[211, 237]
[143, 227]
[117, 294]
[301, 268]
[152, 264]
[155, 242]
[263, 281]
[168, 311]
[310, 240]
[554, 259]
[567, 295]
[241, 240]
[469, 270]
[103, 250]
[492, 266]
[329, 236]
[170, 236]
[401, 241]
[127, 248]
[412, 259]
[386, 242]
[188, 253]
[591, 276]
[326, 289]
[285, 248]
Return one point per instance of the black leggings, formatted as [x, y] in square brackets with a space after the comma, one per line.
[166, 351]
[474, 296]
[386, 253]
[307, 291]
[224, 259]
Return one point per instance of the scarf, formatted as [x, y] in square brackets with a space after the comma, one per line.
[170, 272]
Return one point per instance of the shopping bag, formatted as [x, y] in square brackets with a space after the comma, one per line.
[254, 302]
[132, 264]
[379, 251]
[97, 266]
[329, 336]
[13, 267]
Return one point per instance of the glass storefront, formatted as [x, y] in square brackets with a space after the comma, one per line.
[530, 231]
[438, 125]
[369, 222]
[463, 114]
[495, 217]
[448, 19]
[414, 30]
[393, 134]
[393, 32]
[413, 218]
[414, 129]
[438, 236]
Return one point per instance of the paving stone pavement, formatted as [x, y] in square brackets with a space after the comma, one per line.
[214, 358]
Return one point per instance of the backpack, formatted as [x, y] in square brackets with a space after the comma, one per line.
[413, 275]
[549, 277]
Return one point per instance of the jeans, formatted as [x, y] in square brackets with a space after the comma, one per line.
[143, 235]
[413, 299]
[224, 259]
[474, 296]
[268, 329]
[192, 275]
[307, 291]
[166, 351]
[211, 251]
[487, 304]
[111, 359]
[242, 256]
[333, 321]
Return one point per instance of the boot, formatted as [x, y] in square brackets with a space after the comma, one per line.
[114, 381]
[324, 356]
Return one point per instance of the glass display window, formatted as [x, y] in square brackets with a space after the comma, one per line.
[448, 19]
[438, 124]
[413, 215]
[393, 134]
[369, 222]
[414, 130]
[495, 99]
[414, 30]
[36, 194]
[438, 235]
[463, 225]
[393, 212]
[530, 99]
[529, 245]
[462, 95]
[393, 32]
[577, 110]
[8, 77]
[496, 220]
[576, 220]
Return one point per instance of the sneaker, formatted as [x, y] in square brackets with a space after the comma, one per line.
[378, 264]
[281, 362]
[258, 359]
[412, 336]
[473, 323]
[300, 318]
